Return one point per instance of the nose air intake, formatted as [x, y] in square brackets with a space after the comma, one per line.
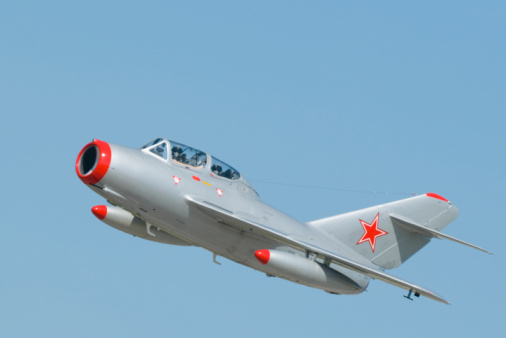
[93, 162]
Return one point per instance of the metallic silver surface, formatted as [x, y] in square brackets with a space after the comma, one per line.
[175, 194]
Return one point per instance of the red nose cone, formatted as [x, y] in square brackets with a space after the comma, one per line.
[93, 162]
[263, 256]
[100, 211]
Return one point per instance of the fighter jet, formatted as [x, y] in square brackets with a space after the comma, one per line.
[171, 193]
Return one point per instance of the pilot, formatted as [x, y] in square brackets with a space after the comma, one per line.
[228, 173]
[176, 153]
[216, 168]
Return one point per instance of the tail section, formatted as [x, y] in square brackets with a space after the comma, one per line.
[389, 234]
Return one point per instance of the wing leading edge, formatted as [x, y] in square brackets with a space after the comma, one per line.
[228, 218]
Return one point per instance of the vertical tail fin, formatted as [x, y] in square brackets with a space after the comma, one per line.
[389, 234]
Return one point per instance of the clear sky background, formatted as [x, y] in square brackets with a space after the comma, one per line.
[372, 100]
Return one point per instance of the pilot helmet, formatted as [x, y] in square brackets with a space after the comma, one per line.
[176, 151]
[216, 168]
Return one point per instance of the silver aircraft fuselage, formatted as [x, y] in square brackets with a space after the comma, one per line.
[171, 193]
[159, 192]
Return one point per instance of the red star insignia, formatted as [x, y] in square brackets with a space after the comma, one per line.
[371, 232]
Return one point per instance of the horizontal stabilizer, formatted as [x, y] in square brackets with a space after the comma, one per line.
[431, 233]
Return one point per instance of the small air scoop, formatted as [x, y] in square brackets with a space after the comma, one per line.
[93, 162]
[437, 196]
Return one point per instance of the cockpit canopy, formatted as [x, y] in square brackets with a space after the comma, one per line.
[187, 156]
[222, 169]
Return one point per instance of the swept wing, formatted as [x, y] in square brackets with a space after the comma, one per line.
[228, 218]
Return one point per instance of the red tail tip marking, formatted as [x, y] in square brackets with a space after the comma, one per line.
[263, 256]
[100, 211]
[437, 196]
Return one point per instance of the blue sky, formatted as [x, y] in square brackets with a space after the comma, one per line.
[375, 101]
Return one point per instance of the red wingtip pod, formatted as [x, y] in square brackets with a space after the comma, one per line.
[437, 196]
[93, 162]
[100, 211]
[263, 256]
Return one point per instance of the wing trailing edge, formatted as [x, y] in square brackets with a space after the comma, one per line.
[228, 218]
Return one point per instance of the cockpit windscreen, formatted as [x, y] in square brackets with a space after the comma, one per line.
[157, 147]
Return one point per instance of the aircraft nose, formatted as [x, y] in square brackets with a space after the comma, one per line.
[93, 161]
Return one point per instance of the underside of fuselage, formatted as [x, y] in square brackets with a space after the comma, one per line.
[235, 245]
